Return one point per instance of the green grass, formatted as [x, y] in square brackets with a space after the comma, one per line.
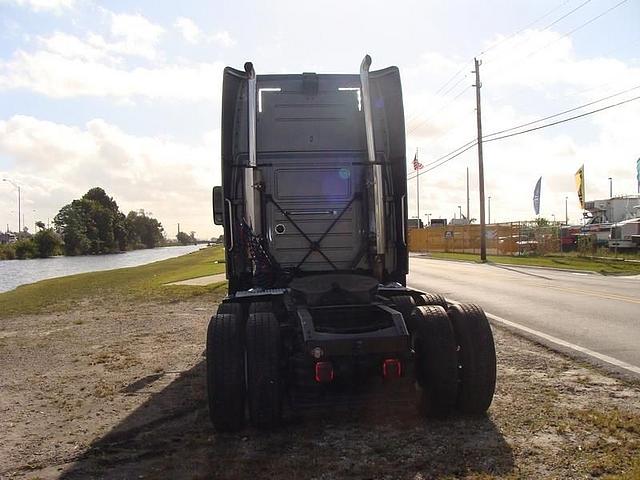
[571, 262]
[143, 283]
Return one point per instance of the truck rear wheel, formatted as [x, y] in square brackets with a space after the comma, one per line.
[405, 305]
[263, 370]
[232, 307]
[260, 307]
[476, 357]
[225, 372]
[432, 299]
[436, 361]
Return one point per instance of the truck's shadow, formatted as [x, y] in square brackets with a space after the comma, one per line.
[170, 436]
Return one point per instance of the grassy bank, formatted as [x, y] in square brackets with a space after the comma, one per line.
[143, 283]
[604, 266]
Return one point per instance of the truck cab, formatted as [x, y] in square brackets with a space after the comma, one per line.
[314, 208]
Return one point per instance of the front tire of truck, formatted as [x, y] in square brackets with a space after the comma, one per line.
[263, 370]
[225, 373]
[476, 357]
[436, 361]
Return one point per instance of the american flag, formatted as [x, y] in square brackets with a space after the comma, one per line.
[416, 164]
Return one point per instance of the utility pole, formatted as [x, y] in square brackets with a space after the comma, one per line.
[489, 210]
[566, 210]
[468, 217]
[483, 227]
[418, 190]
[610, 187]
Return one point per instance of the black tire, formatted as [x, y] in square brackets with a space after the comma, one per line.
[263, 370]
[233, 308]
[225, 373]
[260, 307]
[405, 305]
[436, 363]
[476, 357]
[432, 299]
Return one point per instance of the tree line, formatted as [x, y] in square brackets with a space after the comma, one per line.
[90, 225]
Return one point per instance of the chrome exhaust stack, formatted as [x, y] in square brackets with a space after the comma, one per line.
[378, 183]
[251, 173]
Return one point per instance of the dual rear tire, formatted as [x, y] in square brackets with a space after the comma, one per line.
[243, 367]
[455, 359]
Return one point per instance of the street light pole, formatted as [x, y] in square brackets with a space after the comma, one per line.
[489, 222]
[566, 210]
[18, 187]
[610, 187]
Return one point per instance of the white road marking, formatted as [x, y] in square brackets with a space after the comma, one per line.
[562, 343]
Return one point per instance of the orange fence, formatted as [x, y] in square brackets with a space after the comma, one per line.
[517, 238]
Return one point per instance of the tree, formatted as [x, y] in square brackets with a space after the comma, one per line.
[47, 243]
[94, 224]
[143, 230]
[71, 222]
[184, 238]
[40, 225]
[25, 248]
[111, 229]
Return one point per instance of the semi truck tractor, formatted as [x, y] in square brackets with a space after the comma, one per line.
[314, 208]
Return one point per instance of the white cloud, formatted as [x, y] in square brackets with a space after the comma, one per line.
[135, 34]
[223, 39]
[59, 163]
[61, 75]
[189, 30]
[193, 34]
[72, 47]
[56, 6]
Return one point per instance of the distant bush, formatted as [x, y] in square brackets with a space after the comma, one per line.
[25, 248]
[47, 242]
[7, 251]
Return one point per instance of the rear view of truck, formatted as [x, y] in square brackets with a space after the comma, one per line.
[314, 208]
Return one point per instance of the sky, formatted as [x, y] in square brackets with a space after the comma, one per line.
[126, 95]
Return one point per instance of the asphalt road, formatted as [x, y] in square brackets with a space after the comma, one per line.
[594, 312]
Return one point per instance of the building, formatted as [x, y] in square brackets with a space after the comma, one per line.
[8, 237]
[612, 210]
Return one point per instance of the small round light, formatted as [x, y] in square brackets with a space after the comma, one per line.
[317, 352]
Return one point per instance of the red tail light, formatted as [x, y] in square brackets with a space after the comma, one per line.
[324, 372]
[391, 368]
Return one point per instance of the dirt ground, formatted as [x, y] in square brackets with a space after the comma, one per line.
[118, 391]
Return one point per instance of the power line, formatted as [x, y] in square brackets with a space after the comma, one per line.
[428, 119]
[561, 113]
[579, 27]
[449, 81]
[445, 158]
[564, 120]
[491, 47]
[566, 15]
[544, 29]
[417, 115]
[463, 148]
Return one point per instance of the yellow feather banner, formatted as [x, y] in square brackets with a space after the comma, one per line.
[580, 185]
